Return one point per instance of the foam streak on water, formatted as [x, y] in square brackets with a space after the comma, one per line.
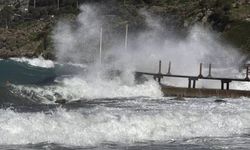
[147, 120]
[37, 62]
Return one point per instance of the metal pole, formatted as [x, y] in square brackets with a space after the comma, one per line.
[209, 72]
[159, 74]
[100, 52]
[160, 67]
[34, 3]
[58, 4]
[77, 4]
[200, 75]
[169, 68]
[247, 72]
[126, 38]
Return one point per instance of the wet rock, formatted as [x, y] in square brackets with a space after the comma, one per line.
[220, 101]
[178, 98]
[61, 101]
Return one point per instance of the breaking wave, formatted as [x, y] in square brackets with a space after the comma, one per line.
[88, 127]
[77, 88]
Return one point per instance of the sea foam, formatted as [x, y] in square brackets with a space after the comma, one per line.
[38, 62]
[78, 88]
[94, 126]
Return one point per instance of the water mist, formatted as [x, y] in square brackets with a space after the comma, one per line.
[78, 42]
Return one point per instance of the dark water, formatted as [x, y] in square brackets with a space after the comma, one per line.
[28, 121]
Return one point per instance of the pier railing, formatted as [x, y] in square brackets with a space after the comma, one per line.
[193, 79]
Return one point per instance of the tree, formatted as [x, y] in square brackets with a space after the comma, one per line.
[7, 13]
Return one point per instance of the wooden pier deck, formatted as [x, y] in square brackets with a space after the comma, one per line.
[202, 93]
[192, 91]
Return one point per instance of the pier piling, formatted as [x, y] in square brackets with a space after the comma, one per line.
[189, 83]
[225, 82]
[222, 85]
[247, 72]
[190, 80]
[194, 84]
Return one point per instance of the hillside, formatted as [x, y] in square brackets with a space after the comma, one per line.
[25, 27]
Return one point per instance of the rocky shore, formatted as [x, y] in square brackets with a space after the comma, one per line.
[26, 28]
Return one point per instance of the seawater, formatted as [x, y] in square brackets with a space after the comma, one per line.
[121, 116]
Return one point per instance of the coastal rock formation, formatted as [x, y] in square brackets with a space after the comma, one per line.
[31, 25]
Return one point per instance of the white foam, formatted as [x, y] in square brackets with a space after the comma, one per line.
[76, 88]
[101, 124]
[38, 62]
[72, 64]
[240, 85]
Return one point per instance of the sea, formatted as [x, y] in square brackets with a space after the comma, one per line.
[108, 113]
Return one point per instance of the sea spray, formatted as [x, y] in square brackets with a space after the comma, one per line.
[145, 49]
[79, 45]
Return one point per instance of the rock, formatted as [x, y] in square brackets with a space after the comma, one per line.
[178, 98]
[61, 101]
[220, 101]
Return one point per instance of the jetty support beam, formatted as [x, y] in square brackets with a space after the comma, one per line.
[190, 80]
[227, 82]
[247, 72]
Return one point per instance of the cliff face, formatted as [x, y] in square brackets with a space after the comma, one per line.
[25, 30]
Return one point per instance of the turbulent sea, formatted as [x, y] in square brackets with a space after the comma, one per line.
[103, 113]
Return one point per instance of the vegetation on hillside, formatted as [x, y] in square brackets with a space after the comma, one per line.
[27, 32]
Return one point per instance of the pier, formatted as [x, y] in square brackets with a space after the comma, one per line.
[192, 91]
